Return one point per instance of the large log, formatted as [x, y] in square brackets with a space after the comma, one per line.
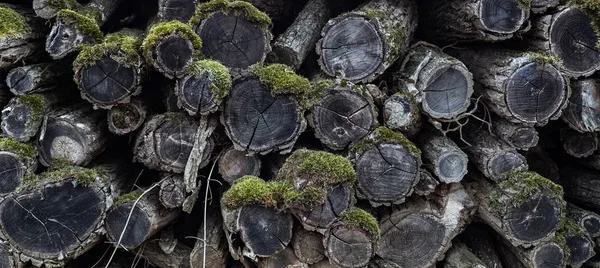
[550, 254]
[443, 158]
[473, 20]
[523, 207]
[420, 232]
[22, 36]
[126, 118]
[459, 256]
[579, 144]
[234, 33]
[19, 162]
[440, 83]
[588, 220]
[181, 10]
[402, 113]
[47, 9]
[211, 252]
[179, 257]
[583, 111]
[525, 88]
[203, 89]
[76, 134]
[580, 185]
[37, 77]
[519, 136]
[234, 164]
[362, 44]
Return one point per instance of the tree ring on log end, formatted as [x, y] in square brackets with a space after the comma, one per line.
[591, 224]
[196, 94]
[533, 219]
[12, 170]
[410, 240]
[18, 81]
[342, 117]
[453, 166]
[174, 142]
[257, 121]
[386, 173]
[549, 255]
[502, 16]
[173, 55]
[573, 39]
[349, 247]
[232, 40]
[107, 82]
[448, 92]
[264, 230]
[353, 48]
[524, 138]
[125, 118]
[504, 162]
[50, 223]
[535, 92]
[581, 248]
[137, 229]
[339, 199]
[14, 121]
[62, 140]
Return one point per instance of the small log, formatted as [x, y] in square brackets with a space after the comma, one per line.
[588, 220]
[459, 256]
[165, 142]
[519, 136]
[550, 254]
[343, 115]
[361, 44]
[47, 9]
[387, 164]
[540, 6]
[308, 246]
[74, 29]
[580, 185]
[443, 158]
[23, 39]
[112, 72]
[7, 257]
[352, 239]
[283, 259]
[234, 33]
[19, 162]
[126, 118]
[76, 133]
[181, 10]
[478, 238]
[427, 183]
[567, 32]
[171, 47]
[294, 45]
[37, 77]
[214, 254]
[155, 255]
[172, 190]
[402, 113]
[467, 20]
[542, 163]
[419, 233]
[203, 89]
[583, 111]
[524, 207]
[441, 84]
[234, 164]
[340, 198]
[525, 88]
[579, 144]
[579, 242]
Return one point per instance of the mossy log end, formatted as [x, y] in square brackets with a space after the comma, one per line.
[22, 39]
[18, 162]
[352, 241]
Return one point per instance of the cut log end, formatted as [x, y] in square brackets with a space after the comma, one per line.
[107, 82]
[172, 192]
[18, 81]
[235, 164]
[579, 144]
[549, 255]
[181, 10]
[448, 93]
[581, 248]
[12, 171]
[264, 230]
[173, 55]
[401, 113]
[308, 246]
[349, 247]
[534, 219]
[339, 199]
[62, 140]
[504, 162]
[195, 94]
[138, 227]
[18, 122]
[502, 16]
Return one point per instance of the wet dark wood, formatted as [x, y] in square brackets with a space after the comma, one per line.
[234, 164]
[22, 48]
[583, 111]
[37, 77]
[126, 118]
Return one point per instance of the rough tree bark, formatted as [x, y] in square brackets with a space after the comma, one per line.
[154, 254]
[24, 41]
[203, 89]
[37, 77]
[215, 253]
[308, 246]
[126, 118]
[586, 219]
[172, 192]
[283, 259]
[350, 243]
[361, 44]
[19, 161]
[540, 6]
[234, 164]
[443, 158]
[519, 136]
[550, 254]
[181, 10]
[579, 144]
[402, 113]
[581, 185]
[47, 9]
[459, 256]
[583, 111]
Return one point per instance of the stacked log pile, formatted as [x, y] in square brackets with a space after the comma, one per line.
[300, 134]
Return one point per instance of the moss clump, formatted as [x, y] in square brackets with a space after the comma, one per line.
[561, 241]
[129, 197]
[218, 74]
[30, 180]
[525, 4]
[517, 187]
[395, 41]
[36, 104]
[323, 85]
[385, 135]
[123, 47]
[320, 169]
[84, 176]
[12, 24]
[543, 58]
[18, 148]
[358, 218]
[238, 8]
[160, 31]
[63, 4]
[250, 190]
[282, 79]
[85, 22]
[122, 116]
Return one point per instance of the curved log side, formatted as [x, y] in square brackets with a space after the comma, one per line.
[519, 136]
[234, 164]
[340, 198]
[468, 20]
[579, 144]
[77, 134]
[172, 190]
[583, 111]
[420, 233]
[179, 257]
[541, 6]
[308, 246]
[47, 9]
[15, 165]
[459, 256]
[181, 10]
[444, 158]
[588, 220]
[37, 77]
[216, 243]
[362, 44]
[128, 117]
[402, 113]
[24, 46]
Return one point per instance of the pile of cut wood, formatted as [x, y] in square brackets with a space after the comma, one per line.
[297, 134]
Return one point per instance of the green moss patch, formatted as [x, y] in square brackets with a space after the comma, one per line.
[358, 218]
[18, 148]
[322, 85]
[84, 176]
[86, 23]
[320, 169]
[592, 9]
[63, 4]
[122, 116]
[517, 187]
[525, 4]
[161, 30]
[238, 8]
[12, 24]
[36, 104]
[282, 79]
[123, 47]
[129, 197]
[217, 73]
[385, 135]
[544, 59]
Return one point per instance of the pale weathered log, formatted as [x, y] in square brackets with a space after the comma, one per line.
[580, 185]
[37, 77]
[203, 89]
[126, 118]
[23, 38]
[459, 256]
[479, 239]
[427, 183]
[47, 9]
[211, 252]
[519, 136]
[420, 232]
[588, 220]
[540, 6]
[181, 10]
[283, 259]
[308, 246]
[443, 158]
[234, 164]
[361, 44]
[352, 240]
[579, 144]
[179, 257]
[18, 162]
[172, 192]
[583, 111]
[402, 113]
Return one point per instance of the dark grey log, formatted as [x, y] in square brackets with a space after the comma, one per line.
[588, 220]
[521, 87]
[427, 183]
[234, 33]
[443, 158]
[343, 115]
[541, 162]
[234, 164]
[47, 9]
[362, 44]
[308, 246]
[181, 10]
[579, 242]
[441, 84]
[351, 241]
[467, 20]
[126, 118]
[292, 46]
[7, 257]
[550, 254]
[402, 113]
[340, 198]
[519, 136]
[154, 254]
[112, 72]
[524, 208]
[172, 192]
[204, 88]
[215, 252]
[76, 134]
[22, 40]
[166, 140]
[387, 165]
[324, 264]
[19, 161]
[478, 238]
[37, 77]
[264, 231]
[580, 185]
[283, 259]
[579, 144]
[567, 32]
[583, 111]
[492, 156]
[420, 232]
[540, 6]
[74, 29]
[459, 256]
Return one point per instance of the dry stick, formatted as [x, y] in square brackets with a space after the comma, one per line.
[205, 207]
[206, 127]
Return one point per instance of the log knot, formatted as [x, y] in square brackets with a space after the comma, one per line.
[358, 218]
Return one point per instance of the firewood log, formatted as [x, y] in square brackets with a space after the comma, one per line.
[443, 158]
[339, 199]
[37, 77]
[459, 256]
[181, 10]
[583, 110]
[283, 259]
[540, 6]
[23, 38]
[519, 136]
[47, 9]
[308, 246]
[203, 89]
[551, 254]
[216, 244]
[579, 144]
[362, 44]
[588, 220]
[19, 162]
[402, 113]
[579, 242]
[172, 192]
[479, 239]
[580, 185]
[427, 183]
[126, 118]
[234, 164]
